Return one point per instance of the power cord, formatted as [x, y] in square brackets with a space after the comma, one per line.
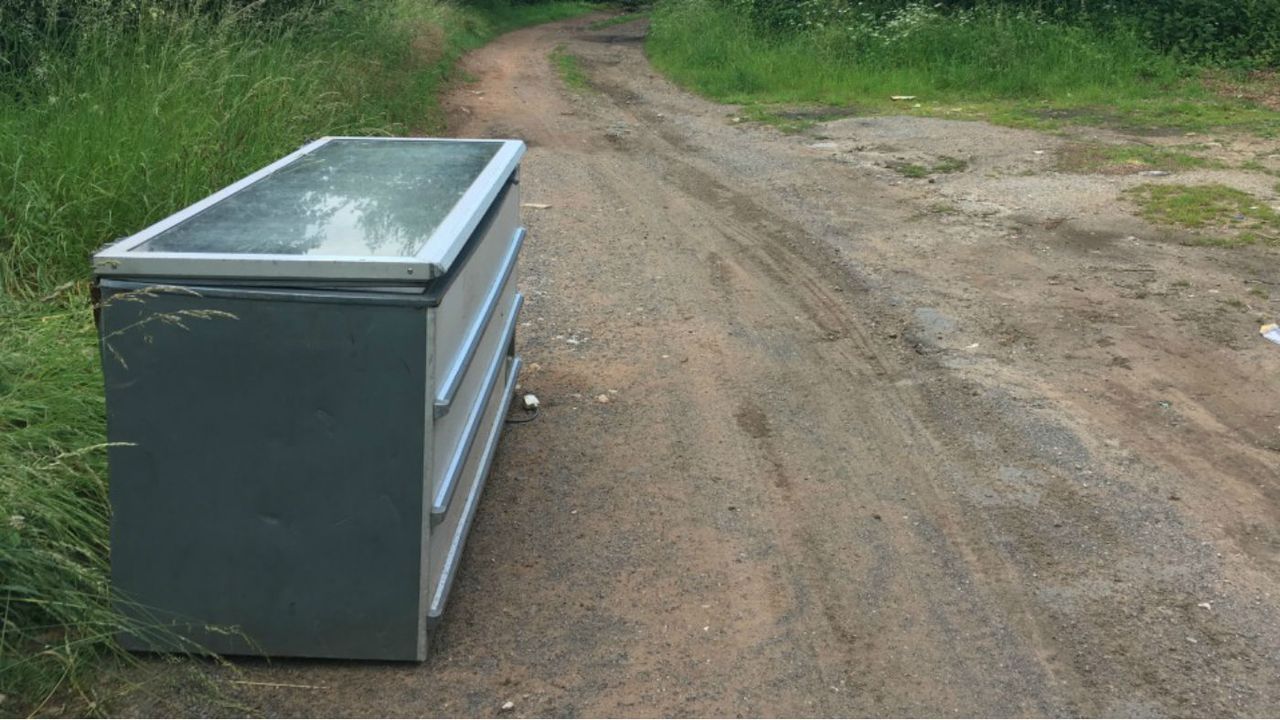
[530, 418]
[531, 405]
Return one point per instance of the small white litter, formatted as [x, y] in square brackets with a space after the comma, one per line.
[1270, 331]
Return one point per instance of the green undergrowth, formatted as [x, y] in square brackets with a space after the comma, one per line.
[1222, 215]
[53, 498]
[112, 125]
[1013, 67]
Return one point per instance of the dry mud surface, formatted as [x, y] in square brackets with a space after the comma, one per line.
[872, 445]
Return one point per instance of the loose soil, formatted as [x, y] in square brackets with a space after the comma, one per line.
[984, 443]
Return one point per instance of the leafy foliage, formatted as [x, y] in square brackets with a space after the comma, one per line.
[1239, 32]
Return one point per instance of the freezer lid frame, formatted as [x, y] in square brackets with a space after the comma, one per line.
[431, 261]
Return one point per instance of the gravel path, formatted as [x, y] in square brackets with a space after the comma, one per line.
[820, 439]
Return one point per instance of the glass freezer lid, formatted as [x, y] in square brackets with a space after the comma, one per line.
[338, 209]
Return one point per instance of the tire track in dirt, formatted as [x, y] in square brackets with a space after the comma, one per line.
[790, 502]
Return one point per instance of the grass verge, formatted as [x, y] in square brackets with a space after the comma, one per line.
[1008, 66]
[53, 495]
[119, 125]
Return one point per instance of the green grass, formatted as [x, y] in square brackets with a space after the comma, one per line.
[944, 166]
[53, 502]
[569, 67]
[129, 129]
[1100, 158]
[988, 63]
[121, 126]
[489, 18]
[1231, 217]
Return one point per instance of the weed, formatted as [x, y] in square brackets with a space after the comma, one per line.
[1209, 206]
[1120, 159]
[945, 165]
[570, 68]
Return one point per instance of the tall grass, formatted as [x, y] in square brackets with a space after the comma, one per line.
[1244, 33]
[131, 123]
[53, 503]
[987, 52]
[1009, 63]
[114, 125]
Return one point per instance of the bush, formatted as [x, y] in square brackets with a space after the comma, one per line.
[845, 53]
[1243, 32]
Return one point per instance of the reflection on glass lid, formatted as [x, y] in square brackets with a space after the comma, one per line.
[349, 197]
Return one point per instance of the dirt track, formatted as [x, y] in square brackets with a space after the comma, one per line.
[987, 445]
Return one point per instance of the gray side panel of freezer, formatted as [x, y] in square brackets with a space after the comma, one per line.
[272, 479]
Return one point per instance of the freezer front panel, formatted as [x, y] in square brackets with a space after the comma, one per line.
[266, 472]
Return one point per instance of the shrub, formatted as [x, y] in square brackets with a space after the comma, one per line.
[1245, 32]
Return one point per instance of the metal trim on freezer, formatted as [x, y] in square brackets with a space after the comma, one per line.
[444, 496]
[448, 387]
[454, 556]
[432, 260]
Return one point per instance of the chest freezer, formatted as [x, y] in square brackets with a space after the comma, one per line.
[306, 377]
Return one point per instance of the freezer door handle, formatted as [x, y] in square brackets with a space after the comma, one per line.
[448, 389]
[454, 556]
[453, 475]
